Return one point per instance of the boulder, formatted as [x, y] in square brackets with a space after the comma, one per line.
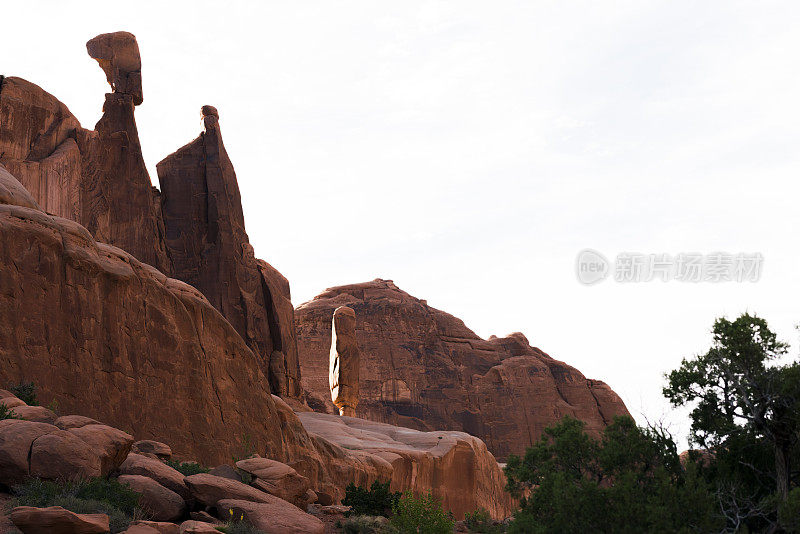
[57, 520]
[197, 527]
[344, 361]
[136, 464]
[422, 368]
[277, 479]
[141, 529]
[274, 517]
[66, 422]
[62, 455]
[12, 402]
[110, 444]
[160, 503]
[209, 489]
[39, 414]
[16, 438]
[118, 56]
[226, 471]
[156, 448]
[159, 526]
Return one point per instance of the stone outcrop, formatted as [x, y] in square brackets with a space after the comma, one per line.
[115, 340]
[423, 368]
[454, 466]
[207, 241]
[98, 178]
[344, 361]
[273, 517]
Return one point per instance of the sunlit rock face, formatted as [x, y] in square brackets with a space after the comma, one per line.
[423, 368]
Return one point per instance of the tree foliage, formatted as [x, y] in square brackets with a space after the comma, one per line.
[628, 480]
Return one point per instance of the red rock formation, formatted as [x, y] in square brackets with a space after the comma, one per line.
[95, 177]
[344, 361]
[423, 368]
[98, 178]
[115, 340]
[206, 238]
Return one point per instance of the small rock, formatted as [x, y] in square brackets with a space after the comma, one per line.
[274, 517]
[148, 446]
[161, 503]
[136, 464]
[197, 527]
[66, 422]
[38, 414]
[158, 526]
[277, 479]
[205, 517]
[210, 489]
[226, 471]
[57, 520]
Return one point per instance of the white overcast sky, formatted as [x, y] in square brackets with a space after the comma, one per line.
[469, 150]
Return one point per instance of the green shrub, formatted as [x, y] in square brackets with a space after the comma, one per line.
[421, 515]
[93, 496]
[25, 391]
[6, 413]
[367, 524]
[377, 500]
[187, 468]
[481, 522]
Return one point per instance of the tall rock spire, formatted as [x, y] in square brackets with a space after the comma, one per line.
[207, 241]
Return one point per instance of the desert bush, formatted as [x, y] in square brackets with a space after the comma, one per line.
[6, 413]
[187, 468]
[421, 515]
[367, 524]
[24, 391]
[481, 522]
[375, 501]
[92, 496]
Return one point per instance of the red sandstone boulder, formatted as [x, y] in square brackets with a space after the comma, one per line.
[66, 422]
[209, 489]
[156, 448]
[62, 455]
[277, 479]
[16, 438]
[40, 414]
[274, 517]
[110, 444]
[159, 526]
[136, 464]
[197, 527]
[159, 502]
[118, 56]
[424, 369]
[56, 520]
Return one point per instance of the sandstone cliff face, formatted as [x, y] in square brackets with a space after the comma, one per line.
[98, 178]
[114, 339]
[206, 237]
[423, 368]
